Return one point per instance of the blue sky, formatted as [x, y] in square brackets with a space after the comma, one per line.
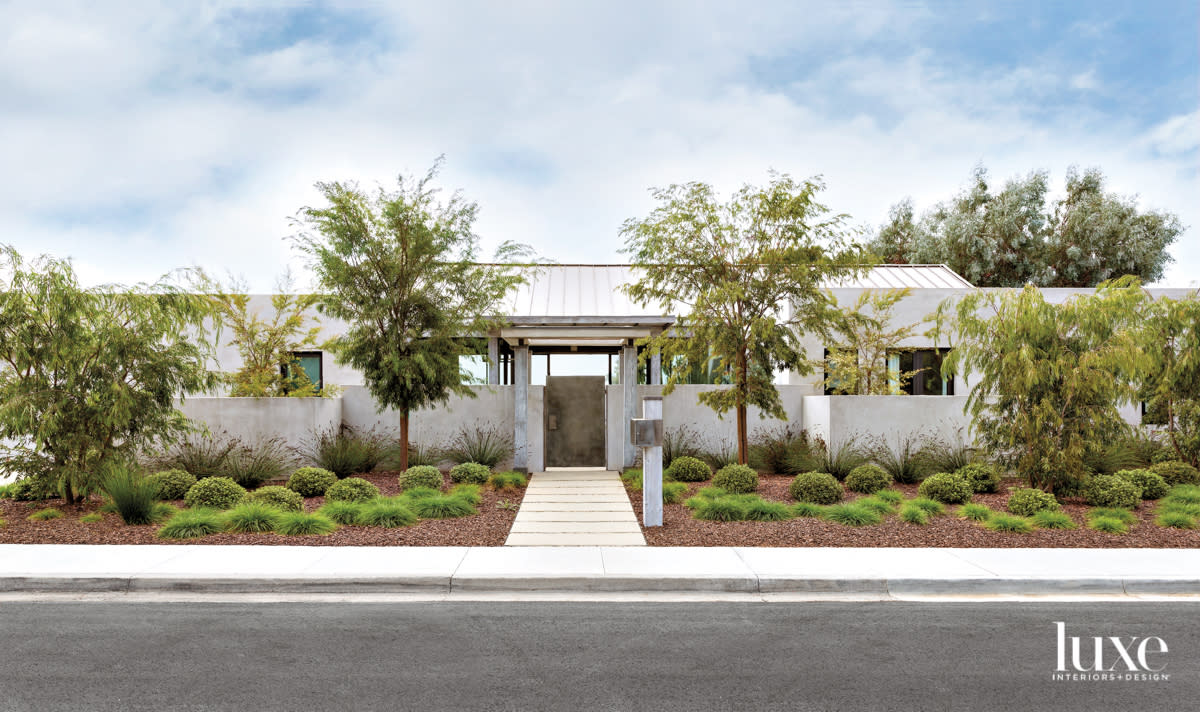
[150, 135]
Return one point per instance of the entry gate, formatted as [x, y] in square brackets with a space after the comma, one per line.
[574, 422]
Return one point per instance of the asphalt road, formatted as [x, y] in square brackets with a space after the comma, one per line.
[584, 656]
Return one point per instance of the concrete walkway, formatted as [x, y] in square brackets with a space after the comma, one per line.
[762, 572]
[584, 507]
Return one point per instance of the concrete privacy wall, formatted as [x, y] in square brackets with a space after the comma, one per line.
[292, 419]
[838, 418]
[436, 426]
[683, 408]
[615, 428]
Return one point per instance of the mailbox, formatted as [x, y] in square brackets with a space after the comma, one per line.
[646, 432]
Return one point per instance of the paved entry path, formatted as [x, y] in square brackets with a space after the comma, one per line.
[586, 507]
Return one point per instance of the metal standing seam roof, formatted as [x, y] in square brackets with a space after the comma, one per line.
[595, 290]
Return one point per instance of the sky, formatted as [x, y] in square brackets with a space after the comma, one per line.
[139, 137]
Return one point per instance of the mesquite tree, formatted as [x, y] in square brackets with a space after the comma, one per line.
[751, 274]
[401, 268]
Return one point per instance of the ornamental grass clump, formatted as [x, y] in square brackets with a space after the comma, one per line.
[1049, 519]
[132, 494]
[469, 492]
[1152, 485]
[442, 507]
[420, 493]
[1175, 472]
[632, 479]
[868, 479]
[914, 515]
[738, 479]
[90, 518]
[192, 524]
[689, 469]
[852, 514]
[386, 512]
[983, 476]
[470, 473]
[1026, 502]
[1120, 514]
[720, 509]
[806, 510]
[304, 524]
[975, 512]
[879, 505]
[342, 512]
[421, 476]
[488, 446]
[932, 506]
[352, 489]
[311, 481]
[254, 463]
[782, 451]
[762, 510]
[251, 517]
[815, 487]
[345, 451]
[45, 515]
[1108, 525]
[673, 492]
[1011, 523]
[840, 461]
[507, 481]
[1111, 491]
[278, 497]
[214, 493]
[1183, 494]
[1175, 520]
[947, 487]
[171, 484]
[891, 496]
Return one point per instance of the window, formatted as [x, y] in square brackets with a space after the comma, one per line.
[310, 363]
[926, 367]
[834, 357]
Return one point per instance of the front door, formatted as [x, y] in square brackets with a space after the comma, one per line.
[574, 423]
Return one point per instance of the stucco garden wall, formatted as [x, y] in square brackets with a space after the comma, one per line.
[491, 406]
[291, 419]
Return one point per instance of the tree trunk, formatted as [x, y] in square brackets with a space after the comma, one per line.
[403, 440]
[743, 379]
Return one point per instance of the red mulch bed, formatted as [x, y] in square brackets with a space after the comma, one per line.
[679, 529]
[488, 528]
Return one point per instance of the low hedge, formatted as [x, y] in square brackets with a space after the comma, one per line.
[816, 488]
[172, 484]
[947, 487]
[1175, 472]
[471, 473]
[421, 476]
[1112, 491]
[215, 493]
[1027, 501]
[1152, 484]
[868, 479]
[311, 481]
[352, 489]
[688, 469]
[278, 497]
[736, 479]
[983, 476]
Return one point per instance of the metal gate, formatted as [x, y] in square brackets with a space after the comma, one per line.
[574, 423]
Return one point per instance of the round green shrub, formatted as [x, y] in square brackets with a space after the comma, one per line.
[278, 497]
[1152, 484]
[688, 469]
[1026, 502]
[947, 487]
[815, 487]
[471, 473]
[1112, 491]
[421, 476]
[868, 479]
[738, 479]
[215, 493]
[311, 481]
[983, 476]
[352, 489]
[1175, 472]
[172, 484]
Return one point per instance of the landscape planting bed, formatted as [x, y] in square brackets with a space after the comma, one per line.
[947, 530]
[487, 528]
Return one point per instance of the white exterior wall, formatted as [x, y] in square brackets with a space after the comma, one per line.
[838, 418]
[292, 419]
[615, 428]
[436, 426]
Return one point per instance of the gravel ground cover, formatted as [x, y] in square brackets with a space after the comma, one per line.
[487, 528]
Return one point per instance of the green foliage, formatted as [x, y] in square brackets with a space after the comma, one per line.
[1150, 483]
[1047, 519]
[171, 484]
[509, 480]
[932, 506]
[1026, 502]
[252, 517]
[311, 481]
[1111, 458]
[1049, 377]
[45, 515]
[782, 450]
[442, 507]
[719, 509]
[947, 487]
[905, 462]
[345, 451]
[679, 442]
[686, 468]
[472, 493]
[421, 493]
[737, 479]
[852, 514]
[891, 496]
[815, 487]
[388, 513]
[983, 476]
[879, 505]
[470, 472]
[868, 479]
[191, 524]
[200, 455]
[421, 476]
[840, 461]
[1183, 494]
[278, 497]
[807, 510]
[421, 455]
[91, 374]
[975, 512]
[946, 454]
[722, 456]
[734, 264]
[1014, 236]
[914, 515]
[256, 462]
[351, 489]
[1108, 525]
[488, 446]
[1170, 341]
[1112, 491]
[858, 355]
[342, 512]
[90, 518]
[403, 270]
[1001, 522]
[762, 510]
[214, 493]
[303, 524]
[1175, 520]
[131, 493]
[1175, 473]
[632, 479]
[673, 492]
[1120, 514]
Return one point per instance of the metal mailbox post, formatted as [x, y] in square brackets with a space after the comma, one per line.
[646, 433]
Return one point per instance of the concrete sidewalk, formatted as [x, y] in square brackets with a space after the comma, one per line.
[879, 572]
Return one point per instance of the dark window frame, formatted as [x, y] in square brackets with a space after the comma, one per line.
[320, 356]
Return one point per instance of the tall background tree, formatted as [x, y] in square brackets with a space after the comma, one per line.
[90, 376]
[1014, 236]
[1170, 343]
[752, 272]
[864, 339]
[401, 268]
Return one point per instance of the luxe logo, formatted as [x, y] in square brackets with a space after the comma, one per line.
[1109, 658]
